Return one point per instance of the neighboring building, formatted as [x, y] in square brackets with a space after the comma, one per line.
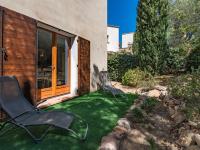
[53, 47]
[127, 40]
[112, 38]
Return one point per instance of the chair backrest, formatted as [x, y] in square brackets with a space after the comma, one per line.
[11, 97]
[104, 78]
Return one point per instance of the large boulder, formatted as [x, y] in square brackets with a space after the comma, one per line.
[136, 140]
[109, 143]
[125, 123]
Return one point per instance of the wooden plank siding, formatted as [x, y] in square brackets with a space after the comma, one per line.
[19, 40]
[1, 40]
[83, 66]
[2, 115]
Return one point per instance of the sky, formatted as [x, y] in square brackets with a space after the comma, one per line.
[123, 13]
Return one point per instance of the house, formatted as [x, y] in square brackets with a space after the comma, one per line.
[112, 38]
[127, 40]
[52, 46]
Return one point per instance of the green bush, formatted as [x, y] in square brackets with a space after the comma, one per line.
[193, 60]
[133, 77]
[186, 86]
[174, 61]
[120, 63]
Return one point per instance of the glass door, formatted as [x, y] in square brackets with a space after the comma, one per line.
[44, 66]
[53, 64]
[62, 64]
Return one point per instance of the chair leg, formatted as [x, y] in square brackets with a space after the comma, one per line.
[82, 138]
[36, 139]
[2, 127]
[77, 136]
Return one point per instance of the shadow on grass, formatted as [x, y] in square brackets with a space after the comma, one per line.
[100, 110]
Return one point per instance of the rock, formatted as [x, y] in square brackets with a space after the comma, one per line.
[123, 122]
[197, 139]
[167, 98]
[176, 108]
[153, 93]
[149, 126]
[171, 111]
[179, 117]
[139, 101]
[193, 147]
[173, 147]
[142, 97]
[120, 132]
[138, 137]
[187, 139]
[163, 95]
[161, 88]
[109, 143]
[193, 124]
[198, 125]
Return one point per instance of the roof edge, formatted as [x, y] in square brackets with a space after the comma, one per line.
[114, 26]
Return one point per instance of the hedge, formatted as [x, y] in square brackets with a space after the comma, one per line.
[120, 63]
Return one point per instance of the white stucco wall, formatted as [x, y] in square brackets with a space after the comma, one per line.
[127, 39]
[74, 68]
[85, 18]
[112, 39]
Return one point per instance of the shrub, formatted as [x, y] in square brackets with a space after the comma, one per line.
[120, 63]
[133, 77]
[174, 61]
[149, 82]
[193, 60]
[187, 87]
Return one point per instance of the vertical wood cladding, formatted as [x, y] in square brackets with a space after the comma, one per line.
[19, 40]
[1, 40]
[83, 66]
[2, 115]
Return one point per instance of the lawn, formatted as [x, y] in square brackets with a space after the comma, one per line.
[100, 110]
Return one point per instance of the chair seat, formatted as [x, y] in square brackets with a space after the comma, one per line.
[55, 118]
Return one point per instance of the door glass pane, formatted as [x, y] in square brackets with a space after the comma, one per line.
[44, 74]
[62, 60]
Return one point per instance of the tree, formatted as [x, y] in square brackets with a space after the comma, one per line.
[151, 34]
[184, 20]
[183, 34]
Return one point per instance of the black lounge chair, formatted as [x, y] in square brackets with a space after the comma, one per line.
[22, 114]
[106, 85]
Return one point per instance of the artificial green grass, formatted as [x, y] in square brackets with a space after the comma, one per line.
[100, 110]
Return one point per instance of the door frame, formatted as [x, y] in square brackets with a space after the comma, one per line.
[55, 90]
